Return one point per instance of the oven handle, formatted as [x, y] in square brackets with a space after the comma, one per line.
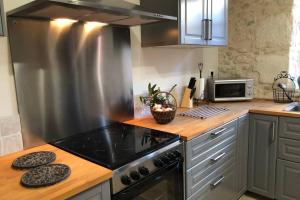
[147, 182]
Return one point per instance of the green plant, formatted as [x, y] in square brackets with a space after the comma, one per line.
[153, 95]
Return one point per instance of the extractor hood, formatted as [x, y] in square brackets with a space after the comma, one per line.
[117, 12]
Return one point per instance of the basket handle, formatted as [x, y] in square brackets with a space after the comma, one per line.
[167, 94]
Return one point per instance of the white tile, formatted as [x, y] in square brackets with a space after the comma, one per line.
[12, 144]
[10, 125]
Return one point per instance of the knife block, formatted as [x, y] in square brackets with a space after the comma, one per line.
[186, 101]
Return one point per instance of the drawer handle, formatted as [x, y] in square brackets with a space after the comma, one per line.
[219, 157]
[218, 182]
[218, 132]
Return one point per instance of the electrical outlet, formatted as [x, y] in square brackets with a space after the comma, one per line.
[211, 71]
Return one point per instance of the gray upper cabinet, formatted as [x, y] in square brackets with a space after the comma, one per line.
[2, 22]
[262, 154]
[242, 154]
[200, 22]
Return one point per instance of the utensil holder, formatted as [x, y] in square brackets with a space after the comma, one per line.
[187, 102]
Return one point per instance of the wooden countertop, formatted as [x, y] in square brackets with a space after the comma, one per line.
[84, 175]
[188, 128]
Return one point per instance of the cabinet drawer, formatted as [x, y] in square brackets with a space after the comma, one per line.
[288, 180]
[218, 185]
[198, 173]
[289, 128]
[289, 149]
[196, 149]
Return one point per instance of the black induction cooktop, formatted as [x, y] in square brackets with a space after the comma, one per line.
[116, 145]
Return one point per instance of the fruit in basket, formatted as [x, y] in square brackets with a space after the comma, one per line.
[161, 108]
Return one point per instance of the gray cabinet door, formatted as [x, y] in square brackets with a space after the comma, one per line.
[288, 180]
[192, 17]
[99, 192]
[289, 128]
[262, 154]
[219, 23]
[192, 13]
[242, 153]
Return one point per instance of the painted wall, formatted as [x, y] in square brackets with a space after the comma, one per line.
[259, 42]
[164, 66]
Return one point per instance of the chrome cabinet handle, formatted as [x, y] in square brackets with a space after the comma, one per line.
[207, 29]
[273, 132]
[218, 182]
[218, 157]
[218, 132]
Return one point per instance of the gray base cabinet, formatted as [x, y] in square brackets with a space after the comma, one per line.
[288, 180]
[288, 162]
[99, 192]
[211, 164]
[242, 154]
[262, 154]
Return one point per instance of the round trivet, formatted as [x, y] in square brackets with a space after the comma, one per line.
[45, 175]
[34, 159]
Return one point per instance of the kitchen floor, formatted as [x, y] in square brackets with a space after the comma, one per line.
[249, 196]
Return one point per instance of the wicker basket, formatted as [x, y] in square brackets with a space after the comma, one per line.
[280, 97]
[167, 116]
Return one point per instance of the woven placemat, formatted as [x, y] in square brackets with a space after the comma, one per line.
[34, 159]
[45, 175]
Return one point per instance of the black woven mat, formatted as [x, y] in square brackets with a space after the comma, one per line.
[34, 159]
[45, 175]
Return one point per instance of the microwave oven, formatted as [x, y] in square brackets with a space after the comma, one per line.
[230, 90]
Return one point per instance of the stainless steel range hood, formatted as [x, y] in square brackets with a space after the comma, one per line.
[117, 12]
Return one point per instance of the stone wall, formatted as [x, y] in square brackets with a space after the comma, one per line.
[259, 42]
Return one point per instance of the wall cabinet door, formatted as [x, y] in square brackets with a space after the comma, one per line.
[288, 180]
[242, 154]
[219, 23]
[262, 154]
[191, 16]
[204, 22]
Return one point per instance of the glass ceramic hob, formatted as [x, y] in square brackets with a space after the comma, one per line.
[117, 144]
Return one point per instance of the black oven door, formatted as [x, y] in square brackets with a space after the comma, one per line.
[164, 184]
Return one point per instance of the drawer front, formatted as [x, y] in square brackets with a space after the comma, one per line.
[196, 148]
[289, 128]
[220, 184]
[289, 150]
[99, 192]
[288, 180]
[196, 175]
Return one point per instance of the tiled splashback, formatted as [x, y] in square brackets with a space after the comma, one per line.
[10, 135]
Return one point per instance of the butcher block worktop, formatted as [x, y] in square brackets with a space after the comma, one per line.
[84, 175]
[188, 128]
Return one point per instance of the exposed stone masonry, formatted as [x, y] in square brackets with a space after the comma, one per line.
[259, 42]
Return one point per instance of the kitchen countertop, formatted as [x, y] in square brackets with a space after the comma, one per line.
[188, 128]
[84, 175]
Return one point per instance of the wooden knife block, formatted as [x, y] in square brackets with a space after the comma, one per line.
[186, 101]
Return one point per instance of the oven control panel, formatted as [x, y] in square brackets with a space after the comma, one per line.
[142, 168]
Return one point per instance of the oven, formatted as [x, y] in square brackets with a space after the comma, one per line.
[164, 181]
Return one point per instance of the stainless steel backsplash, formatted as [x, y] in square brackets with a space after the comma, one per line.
[69, 79]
